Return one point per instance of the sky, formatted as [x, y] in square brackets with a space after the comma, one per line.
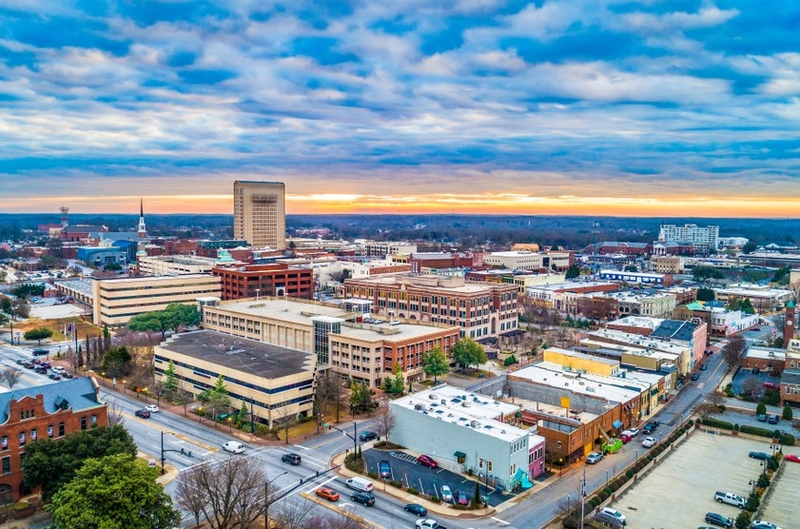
[583, 107]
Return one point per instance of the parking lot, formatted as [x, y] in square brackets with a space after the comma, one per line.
[742, 374]
[781, 507]
[407, 471]
[680, 490]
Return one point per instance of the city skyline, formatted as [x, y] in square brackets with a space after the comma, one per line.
[482, 106]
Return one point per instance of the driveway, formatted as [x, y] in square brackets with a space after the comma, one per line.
[407, 471]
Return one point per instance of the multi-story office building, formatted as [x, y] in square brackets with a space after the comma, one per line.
[259, 213]
[116, 301]
[523, 260]
[274, 382]
[254, 281]
[162, 265]
[51, 411]
[705, 240]
[481, 310]
[387, 248]
[345, 338]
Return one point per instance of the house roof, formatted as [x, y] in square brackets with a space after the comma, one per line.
[76, 394]
[675, 330]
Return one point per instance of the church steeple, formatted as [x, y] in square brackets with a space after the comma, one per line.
[142, 228]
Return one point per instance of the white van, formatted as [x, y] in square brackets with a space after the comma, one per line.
[58, 370]
[234, 447]
[364, 485]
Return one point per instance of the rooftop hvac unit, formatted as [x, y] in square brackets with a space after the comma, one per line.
[433, 396]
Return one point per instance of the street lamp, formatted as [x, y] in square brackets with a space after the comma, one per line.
[266, 498]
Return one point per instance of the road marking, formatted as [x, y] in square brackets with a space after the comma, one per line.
[303, 447]
[498, 520]
[318, 485]
[344, 512]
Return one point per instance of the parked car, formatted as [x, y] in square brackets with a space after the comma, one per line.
[41, 370]
[28, 365]
[292, 459]
[367, 436]
[67, 374]
[649, 442]
[772, 385]
[606, 520]
[730, 498]
[794, 458]
[717, 519]
[772, 419]
[634, 431]
[416, 509]
[384, 470]
[594, 457]
[427, 461]
[428, 524]
[762, 417]
[58, 369]
[234, 447]
[364, 498]
[758, 455]
[616, 514]
[625, 436]
[761, 524]
[54, 376]
[328, 494]
[45, 364]
[695, 376]
[143, 413]
[152, 408]
[460, 498]
[445, 493]
[703, 367]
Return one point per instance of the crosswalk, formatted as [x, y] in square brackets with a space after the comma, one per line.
[402, 456]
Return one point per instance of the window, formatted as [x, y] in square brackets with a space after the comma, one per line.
[94, 420]
[34, 434]
[83, 423]
[5, 442]
[22, 438]
[61, 429]
[6, 465]
[50, 431]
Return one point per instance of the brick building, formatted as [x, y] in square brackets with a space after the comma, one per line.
[50, 411]
[265, 280]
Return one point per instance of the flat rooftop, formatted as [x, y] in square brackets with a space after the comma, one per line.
[549, 374]
[637, 340]
[249, 356]
[478, 414]
[765, 353]
[84, 286]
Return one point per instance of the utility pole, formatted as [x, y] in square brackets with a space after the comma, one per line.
[187, 453]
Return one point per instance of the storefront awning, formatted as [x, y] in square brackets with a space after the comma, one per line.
[460, 454]
[617, 424]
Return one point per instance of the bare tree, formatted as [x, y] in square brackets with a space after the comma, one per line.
[113, 412]
[733, 350]
[753, 386]
[232, 491]
[285, 420]
[188, 495]
[716, 398]
[293, 515]
[385, 424]
[11, 376]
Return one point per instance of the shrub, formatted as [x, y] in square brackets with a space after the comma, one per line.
[772, 463]
[608, 491]
[613, 486]
[373, 475]
[435, 499]
[396, 484]
[721, 409]
[755, 430]
[787, 439]
[691, 421]
[629, 474]
[716, 423]
[571, 522]
[21, 506]
[761, 409]
[763, 481]
[591, 503]
[736, 427]
[412, 490]
[510, 360]
[753, 501]
[743, 520]
[603, 496]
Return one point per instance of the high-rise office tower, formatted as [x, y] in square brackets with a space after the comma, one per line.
[259, 213]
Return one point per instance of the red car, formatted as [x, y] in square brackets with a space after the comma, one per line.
[427, 461]
[794, 458]
[625, 437]
[772, 385]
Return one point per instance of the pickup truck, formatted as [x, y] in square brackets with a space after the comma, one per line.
[730, 498]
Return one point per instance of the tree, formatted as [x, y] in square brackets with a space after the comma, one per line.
[573, 271]
[631, 268]
[787, 412]
[216, 399]
[396, 384]
[467, 352]
[702, 273]
[753, 386]
[733, 350]
[750, 247]
[5, 304]
[150, 322]
[229, 492]
[113, 492]
[51, 464]
[112, 267]
[706, 294]
[384, 424]
[11, 376]
[38, 334]
[181, 315]
[170, 380]
[27, 290]
[435, 363]
[20, 308]
[116, 362]
[743, 520]
[761, 409]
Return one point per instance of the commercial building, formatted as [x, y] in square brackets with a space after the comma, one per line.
[762, 297]
[638, 278]
[668, 264]
[654, 304]
[484, 310]
[253, 281]
[51, 411]
[540, 262]
[384, 249]
[649, 352]
[164, 265]
[116, 301]
[259, 213]
[424, 263]
[345, 338]
[705, 240]
[468, 432]
[767, 359]
[274, 382]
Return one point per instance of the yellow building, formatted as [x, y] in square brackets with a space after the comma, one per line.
[259, 213]
[116, 301]
[668, 264]
[581, 362]
[274, 382]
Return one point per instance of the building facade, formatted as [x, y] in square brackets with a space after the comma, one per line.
[52, 411]
[253, 281]
[480, 310]
[259, 213]
[116, 301]
[705, 240]
[540, 262]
